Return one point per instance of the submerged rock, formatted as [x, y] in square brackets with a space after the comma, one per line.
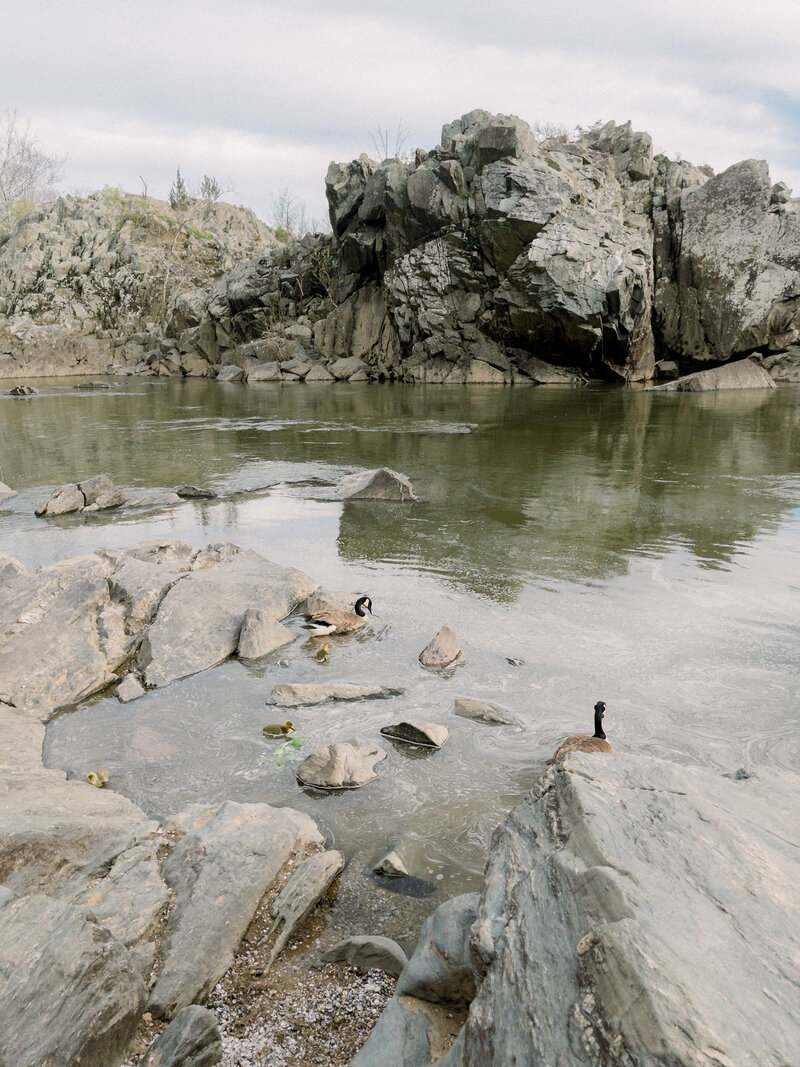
[23, 390]
[293, 695]
[391, 866]
[368, 953]
[345, 765]
[194, 492]
[482, 711]
[380, 484]
[6, 492]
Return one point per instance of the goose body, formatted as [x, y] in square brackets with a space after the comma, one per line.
[339, 622]
[278, 729]
[583, 742]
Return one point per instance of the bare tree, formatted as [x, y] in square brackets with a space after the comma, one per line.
[388, 147]
[288, 215]
[27, 174]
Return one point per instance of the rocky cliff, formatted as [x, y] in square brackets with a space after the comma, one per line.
[88, 283]
[491, 258]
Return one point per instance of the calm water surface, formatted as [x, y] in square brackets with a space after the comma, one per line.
[640, 549]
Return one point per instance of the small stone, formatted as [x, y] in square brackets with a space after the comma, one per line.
[515, 662]
[346, 765]
[391, 866]
[63, 500]
[290, 695]
[380, 484]
[368, 953]
[23, 390]
[481, 711]
[6, 492]
[415, 732]
[442, 650]
[130, 688]
[92, 385]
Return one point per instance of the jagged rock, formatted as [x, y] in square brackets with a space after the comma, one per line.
[76, 981]
[305, 888]
[23, 390]
[6, 492]
[345, 765]
[199, 620]
[482, 711]
[440, 969]
[194, 492]
[294, 695]
[261, 634]
[585, 960]
[219, 873]
[380, 484]
[298, 332]
[782, 367]
[230, 373]
[319, 374]
[368, 953]
[391, 866]
[744, 374]
[298, 368]
[63, 500]
[344, 369]
[727, 262]
[192, 1039]
[416, 732]
[94, 488]
[267, 372]
[442, 651]
[130, 688]
[113, 499]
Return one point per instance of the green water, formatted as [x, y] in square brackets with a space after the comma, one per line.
[637, 548]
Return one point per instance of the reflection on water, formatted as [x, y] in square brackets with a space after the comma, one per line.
[636, 548]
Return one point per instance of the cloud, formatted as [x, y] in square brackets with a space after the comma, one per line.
[266, 94]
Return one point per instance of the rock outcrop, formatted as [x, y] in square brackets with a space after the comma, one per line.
[86, 284]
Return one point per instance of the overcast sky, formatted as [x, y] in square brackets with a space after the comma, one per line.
[264, 95]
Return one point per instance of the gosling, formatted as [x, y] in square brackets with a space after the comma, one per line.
[278, 729]
[322, 623]
[98, 778]
[584, 743]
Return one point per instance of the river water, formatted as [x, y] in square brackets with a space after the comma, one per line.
[636, 548]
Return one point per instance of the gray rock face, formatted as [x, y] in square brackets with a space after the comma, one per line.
[416, 732]
[481, 711]
[267, 372]
[219, 873]
[743, 374]
[728, 258]
[192, 1039]
[62, 501]
[305, 888]
[294, 695]
[368, 953]
[82, 984]
[261, 634]
[200, 618]
[440, 969]
[345, 765]
[380, 484]
[230, 373]
[588, 960]
[782, 367]
[442, 651]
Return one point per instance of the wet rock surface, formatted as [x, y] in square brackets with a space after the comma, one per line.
[345, 765]
[417, 732]
[481, 711]
[743, 374]
[293, 694]
[442, 651]
[380, 484]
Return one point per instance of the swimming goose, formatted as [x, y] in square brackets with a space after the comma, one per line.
[278, 729]
[584, 743]
[98, 778]
[339, 622]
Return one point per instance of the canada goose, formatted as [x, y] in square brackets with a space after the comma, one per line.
[323, 623]
[97, 778]
[278, 729]
[584, 743]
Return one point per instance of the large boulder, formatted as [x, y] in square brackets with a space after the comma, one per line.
[71, 994]
[200, 618]
[219, 872]
[380, 484]
[743, 374]
[607, 952]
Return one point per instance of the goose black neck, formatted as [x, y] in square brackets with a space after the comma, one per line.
[598, 724]
[360, 608]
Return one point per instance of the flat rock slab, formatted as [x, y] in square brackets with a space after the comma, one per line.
[743, 374]
[219, 872]
[442, 651]
[669, 893]
[380, 484]
[192, 1039]
[481, 711]
[199, 620]
[368, 953]
[261, 634]
[346, 765]
[416, 732]
[71, 993]
[293, 695]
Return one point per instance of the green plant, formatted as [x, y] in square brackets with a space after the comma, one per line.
[178, 194]
[210, 189]
[287, 749]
